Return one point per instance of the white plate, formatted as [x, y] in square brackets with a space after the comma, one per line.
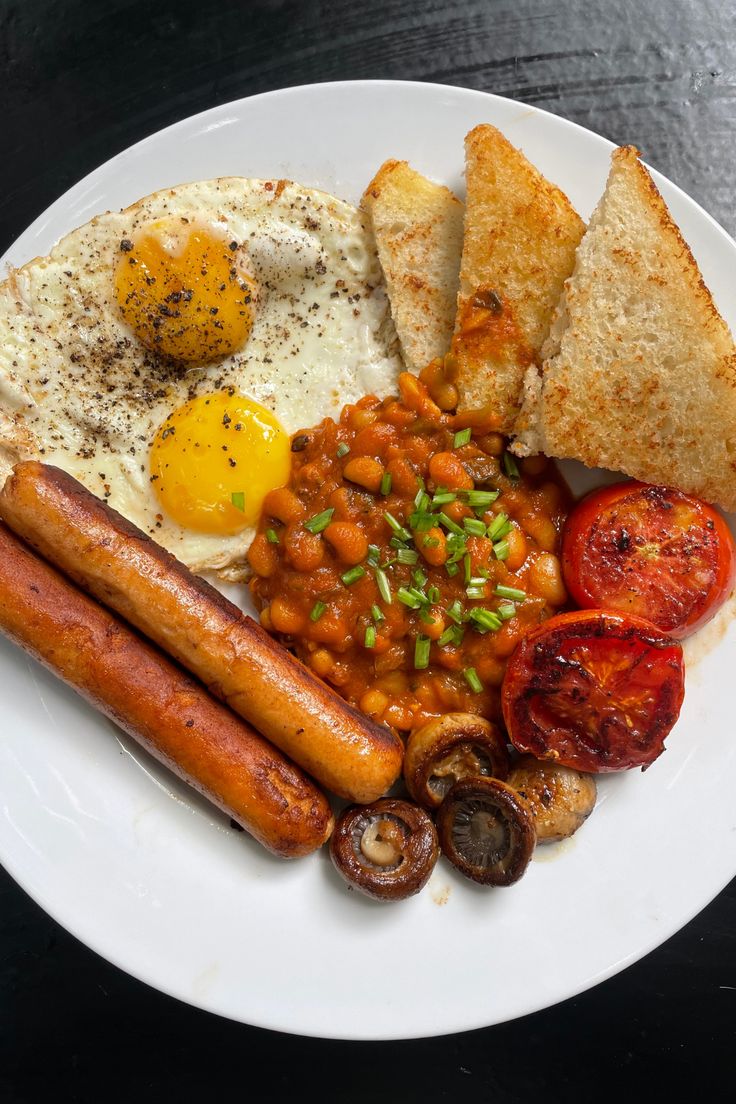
[150, 877]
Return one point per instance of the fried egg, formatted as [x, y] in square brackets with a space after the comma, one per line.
[164, 354]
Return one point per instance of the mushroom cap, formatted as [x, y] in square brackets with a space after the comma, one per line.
[448, 749]
[486, 830]
[386, 850]
[560, 797]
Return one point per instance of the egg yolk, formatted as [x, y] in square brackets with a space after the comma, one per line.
[180, 289]
[215, 459]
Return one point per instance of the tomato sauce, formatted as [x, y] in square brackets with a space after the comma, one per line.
[408, 555]
[488, 331]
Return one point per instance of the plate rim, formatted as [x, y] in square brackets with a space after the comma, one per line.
[97, 945]
[366, 83]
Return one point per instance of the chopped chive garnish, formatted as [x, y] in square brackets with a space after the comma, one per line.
[477, 622]
[444, 497]
[467, 572]
[510, 466]
[455, 612]
[408, 599]
[272, 536]
[319, 522]
[374, 555]
[485, 619]
[479, 500]
[455, 547]
[447, 636]
[407, 556]
[386, 483]
[496, 528]
[475, 591]
[382, 583]
[474, 527]
[462, 437]
[430, 542]
[501, 550]
[397, 527]
[449, 524]
[419, 595]
[421, 653]
[317, 610]
[451, 569]
[370, 637]
[433, 594]
[506, 610]
[420, 579]
[484, 572]
[458, 634]
[238, 500]
[420, 523]
[342, 450]
[471, 677]
[377, 613]
[426, 616]
[352, 576]
[510, 592]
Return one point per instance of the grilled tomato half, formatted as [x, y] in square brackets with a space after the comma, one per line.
[651, 551]
[594, 690]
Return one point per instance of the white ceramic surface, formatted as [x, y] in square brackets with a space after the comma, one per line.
[149, 876]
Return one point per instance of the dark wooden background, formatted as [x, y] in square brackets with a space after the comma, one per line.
[81, 80]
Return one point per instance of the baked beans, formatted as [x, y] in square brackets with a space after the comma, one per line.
[408, 556]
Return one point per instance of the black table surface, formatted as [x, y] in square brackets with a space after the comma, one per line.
[83, 80]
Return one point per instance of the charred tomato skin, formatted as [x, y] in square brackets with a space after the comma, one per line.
[650, 551]
[594, 690]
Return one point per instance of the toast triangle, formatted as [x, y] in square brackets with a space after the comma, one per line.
[520, 237]
[639, 371]
[418, 227]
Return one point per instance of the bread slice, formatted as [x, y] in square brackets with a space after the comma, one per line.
[639, 373]
[418, 226]
[521, 233]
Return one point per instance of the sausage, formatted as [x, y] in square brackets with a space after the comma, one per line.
[160, 706]
[237, 660]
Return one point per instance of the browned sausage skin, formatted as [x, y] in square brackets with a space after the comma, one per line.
[239, 662]
[166, 711]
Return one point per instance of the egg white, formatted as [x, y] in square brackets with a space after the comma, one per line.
[79, 390]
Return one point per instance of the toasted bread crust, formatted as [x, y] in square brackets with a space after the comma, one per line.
[418, 226]
[629, 156]
[521, 233]
[639, 372]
